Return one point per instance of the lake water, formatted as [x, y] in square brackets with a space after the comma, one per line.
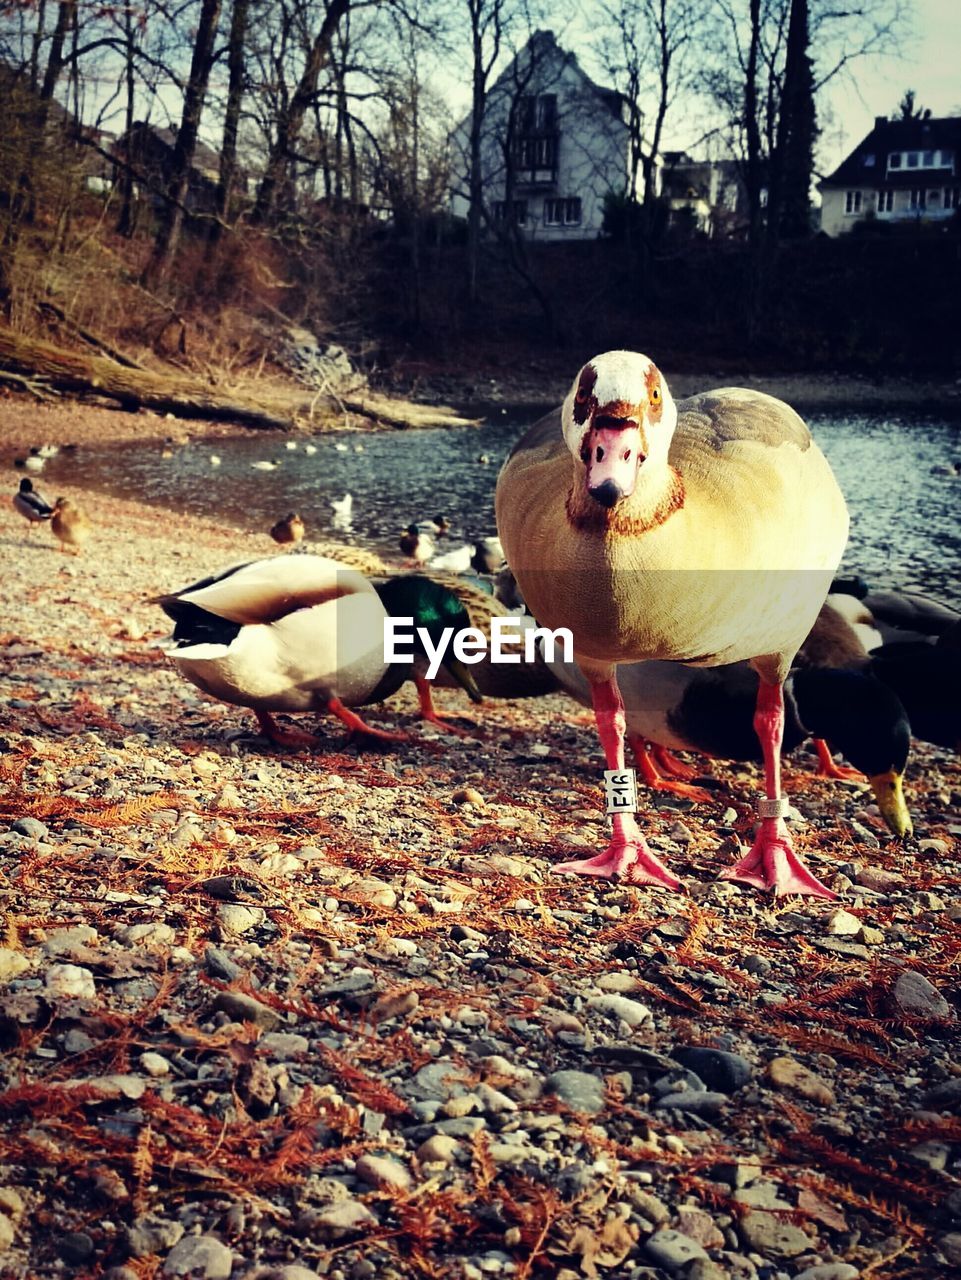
[904, 520]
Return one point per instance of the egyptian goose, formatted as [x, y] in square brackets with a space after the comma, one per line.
[302, 633]
[705, 532]
[30, 504]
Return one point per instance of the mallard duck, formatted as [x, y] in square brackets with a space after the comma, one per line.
[32, 462]
[488, 555]
[710, 710]
[416, 545]
[288, 531]
[457, 560]
[265, 464]
[30, 504]
[705, 532]
[70, 525]
[310, 449]
[892, 616]
[302, 633]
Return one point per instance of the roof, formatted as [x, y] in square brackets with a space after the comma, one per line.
[943, 134]
[544, 43]
[204, 157]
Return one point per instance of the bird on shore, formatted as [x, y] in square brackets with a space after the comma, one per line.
[705, 532]
[30, 504]
[289, 531]
[343, 509]
[305, 633]
[70, 525]
[889, 616]
[710, 710]
[416, 545]
[33, 462]
[488, 555]
[265, 464]
[457, 560]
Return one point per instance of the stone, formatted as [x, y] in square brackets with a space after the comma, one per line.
[32, 828]
[242, 1008]
[155, 1064]
[915, 997]
[383, 1172]
[950, 1246]
[932, 1155]
[11, 1203]
[440, 1149]
[438, 1080]
[200, 1258]
[700, 1102]
[75, 1248]
[343, 1218]
[766, 1235]
[945, 1096]
[157, 934]
[673, 1250]
[152, 1234]
[581, 1092]
[63, 942]
[256, 1088]
[12, 964]
[698, 1225]
[373, 892]
[879, 879]
[236, 919]
[469, 795]
[630, 1011]
[787, 1073]
[842, 924]
[7, 1233]
[829, 1271]
[68, 981]
[720, 1070]
[763, 1195]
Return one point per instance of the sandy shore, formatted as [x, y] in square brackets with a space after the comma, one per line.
[274, 1016]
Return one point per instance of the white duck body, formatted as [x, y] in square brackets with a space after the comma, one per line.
[719, 554]
[310, 629]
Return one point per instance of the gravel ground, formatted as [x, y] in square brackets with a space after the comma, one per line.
[272, 1016]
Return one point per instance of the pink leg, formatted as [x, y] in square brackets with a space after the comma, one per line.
[772, 862]
[627, 856]
[648, 761]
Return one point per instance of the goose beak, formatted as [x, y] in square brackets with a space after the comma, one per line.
[890, 797]
[462, 674]
[613, 454]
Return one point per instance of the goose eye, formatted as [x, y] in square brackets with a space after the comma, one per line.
[655, 395]
[581, 395]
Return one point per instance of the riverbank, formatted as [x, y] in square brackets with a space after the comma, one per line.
[276, 1015]
[25, 422]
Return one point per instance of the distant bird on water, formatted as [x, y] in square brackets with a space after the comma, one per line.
[70, 525]
[705, 532]
[288, 531]
[30, 504]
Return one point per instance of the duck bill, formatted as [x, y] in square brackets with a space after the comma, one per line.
[890, 797]
[461, 673]
[613, 457]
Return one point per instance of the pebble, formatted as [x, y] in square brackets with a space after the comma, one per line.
[771, 1237]
[70, 980]
[12, 964]
[155, 1064]
[439, 1149]
[201, 1258]
[581, 1092]
[32, 828]
[373, 893]
[915, 996]
[672, 1249]
[151, 1233]
[236, 919]
[630, 1011]
[842, 923]
[346, 1217]
[243, 1008]
[702, 1102]
[945, 1097]
[381, 1171]
[788, 1073]
[829, 1271]
[720, 1070]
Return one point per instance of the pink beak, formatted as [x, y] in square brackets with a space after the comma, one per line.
[613, 457]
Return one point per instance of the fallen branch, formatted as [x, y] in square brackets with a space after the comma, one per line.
[35, 362]
[91, 339]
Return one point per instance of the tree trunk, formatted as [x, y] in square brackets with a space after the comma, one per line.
[171, 223]
[235, 94]
[290, 124]
[476, 176]
[125, 219]
[789, 209]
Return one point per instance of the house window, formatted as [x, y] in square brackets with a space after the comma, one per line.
[868, 162]
[912, 159]
[536, 153]
[499, 212]
[952, 197]
[918, 202]
[537, 114]
[927, 160]
[562, 213]
[852, 202]
[894, 160]
[885, 202]
[947, 159]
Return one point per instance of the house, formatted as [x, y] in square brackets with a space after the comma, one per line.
[149, 150]
[554, 145]
[708, 196]
[903, 171]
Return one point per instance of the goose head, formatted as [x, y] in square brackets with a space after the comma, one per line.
[618, 420]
